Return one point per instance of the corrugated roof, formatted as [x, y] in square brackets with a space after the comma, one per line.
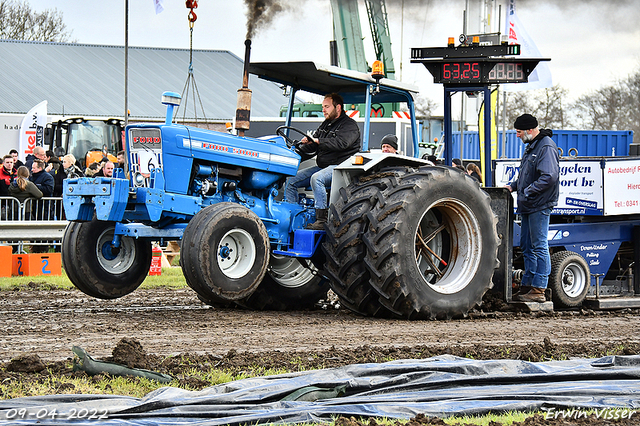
[88, 80]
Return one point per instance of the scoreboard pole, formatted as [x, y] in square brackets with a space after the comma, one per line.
[448, 131]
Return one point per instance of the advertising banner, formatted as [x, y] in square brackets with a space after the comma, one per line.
[32, 130]
[622, 180]
[581, 185]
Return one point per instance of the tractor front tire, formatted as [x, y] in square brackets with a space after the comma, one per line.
[98, 269]
[225, 252]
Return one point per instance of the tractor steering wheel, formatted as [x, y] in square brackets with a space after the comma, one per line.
[290, 142]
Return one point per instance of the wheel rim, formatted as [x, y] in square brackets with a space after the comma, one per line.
[116, 261]
[452, 234]
[290, 272]
[574, 280]
[236, 253]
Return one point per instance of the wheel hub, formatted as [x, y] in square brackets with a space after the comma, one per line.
[225, 252]
[117, 260]
[236, 253]
[109, 252]
[447, 246]
[568, 278]
[574, 280]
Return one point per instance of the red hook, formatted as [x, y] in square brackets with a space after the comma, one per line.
[192, 4]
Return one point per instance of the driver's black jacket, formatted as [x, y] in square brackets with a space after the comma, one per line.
[338, 140]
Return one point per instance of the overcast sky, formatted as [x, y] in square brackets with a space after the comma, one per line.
[590, 43]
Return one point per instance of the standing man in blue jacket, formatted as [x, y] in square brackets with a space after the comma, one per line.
[538, 186]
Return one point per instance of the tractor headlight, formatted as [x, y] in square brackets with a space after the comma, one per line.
[138, 180]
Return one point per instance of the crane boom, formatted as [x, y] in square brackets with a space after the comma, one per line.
[348, 35]
[377, 12]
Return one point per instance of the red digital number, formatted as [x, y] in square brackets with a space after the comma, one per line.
[446, 72]
[461, 71]
[456, 71]
[467, 68]
[475, 67]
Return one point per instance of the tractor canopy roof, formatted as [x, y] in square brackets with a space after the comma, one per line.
[323, 79]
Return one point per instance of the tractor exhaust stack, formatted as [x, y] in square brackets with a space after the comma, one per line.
[243, 110]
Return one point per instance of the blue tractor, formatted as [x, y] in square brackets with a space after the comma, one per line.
[404, 238]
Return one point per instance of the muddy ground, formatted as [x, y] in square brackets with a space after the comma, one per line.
[148, 327]
[171, 322]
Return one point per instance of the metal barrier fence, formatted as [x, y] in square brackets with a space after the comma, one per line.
[36, 222]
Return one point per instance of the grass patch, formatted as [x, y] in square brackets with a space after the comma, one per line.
[170, 278]
[489, 419]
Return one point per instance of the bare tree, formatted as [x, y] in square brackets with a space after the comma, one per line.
[631, 105]
[424, 107]
[19, 22]
[602, 109]
[547, 105]
[613, 107]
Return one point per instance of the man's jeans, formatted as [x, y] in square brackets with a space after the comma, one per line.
[319, 179]
[535, 248]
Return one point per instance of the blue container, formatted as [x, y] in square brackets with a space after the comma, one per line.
[588, 143]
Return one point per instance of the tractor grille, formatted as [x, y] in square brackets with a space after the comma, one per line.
[145, 148]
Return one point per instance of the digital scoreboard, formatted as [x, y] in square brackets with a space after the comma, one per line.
[469, 65]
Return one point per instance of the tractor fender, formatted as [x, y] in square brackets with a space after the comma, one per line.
[347, 171]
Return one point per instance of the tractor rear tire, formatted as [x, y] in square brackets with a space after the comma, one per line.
[569, 280]
[429, 244]
[432, 244]
[225, 252]
[290, 284]
[344, 249]
[98, 270]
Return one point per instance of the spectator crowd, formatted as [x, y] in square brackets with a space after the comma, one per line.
[46, 172]
[42, 175]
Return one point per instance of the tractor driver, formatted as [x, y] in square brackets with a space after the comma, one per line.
[337, 138]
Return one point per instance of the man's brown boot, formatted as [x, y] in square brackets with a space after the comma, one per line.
[524, 289]
[535, 295]
[321, 219]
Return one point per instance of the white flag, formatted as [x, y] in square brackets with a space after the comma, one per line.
[541, 75]
[158, 5]
[32, 129]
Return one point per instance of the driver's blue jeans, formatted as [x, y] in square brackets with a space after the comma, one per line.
[319, 179]
[535, 248]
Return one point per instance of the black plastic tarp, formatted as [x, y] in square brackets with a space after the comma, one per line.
[439, 386]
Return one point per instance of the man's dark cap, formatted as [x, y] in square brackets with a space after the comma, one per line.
[456, 162]
[390, 140]
[525, 122]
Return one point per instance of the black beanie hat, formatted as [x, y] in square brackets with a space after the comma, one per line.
[525, 122]
[391, 140]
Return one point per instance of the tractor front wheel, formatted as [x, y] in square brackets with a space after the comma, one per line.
[224, 252]
[99, 269]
